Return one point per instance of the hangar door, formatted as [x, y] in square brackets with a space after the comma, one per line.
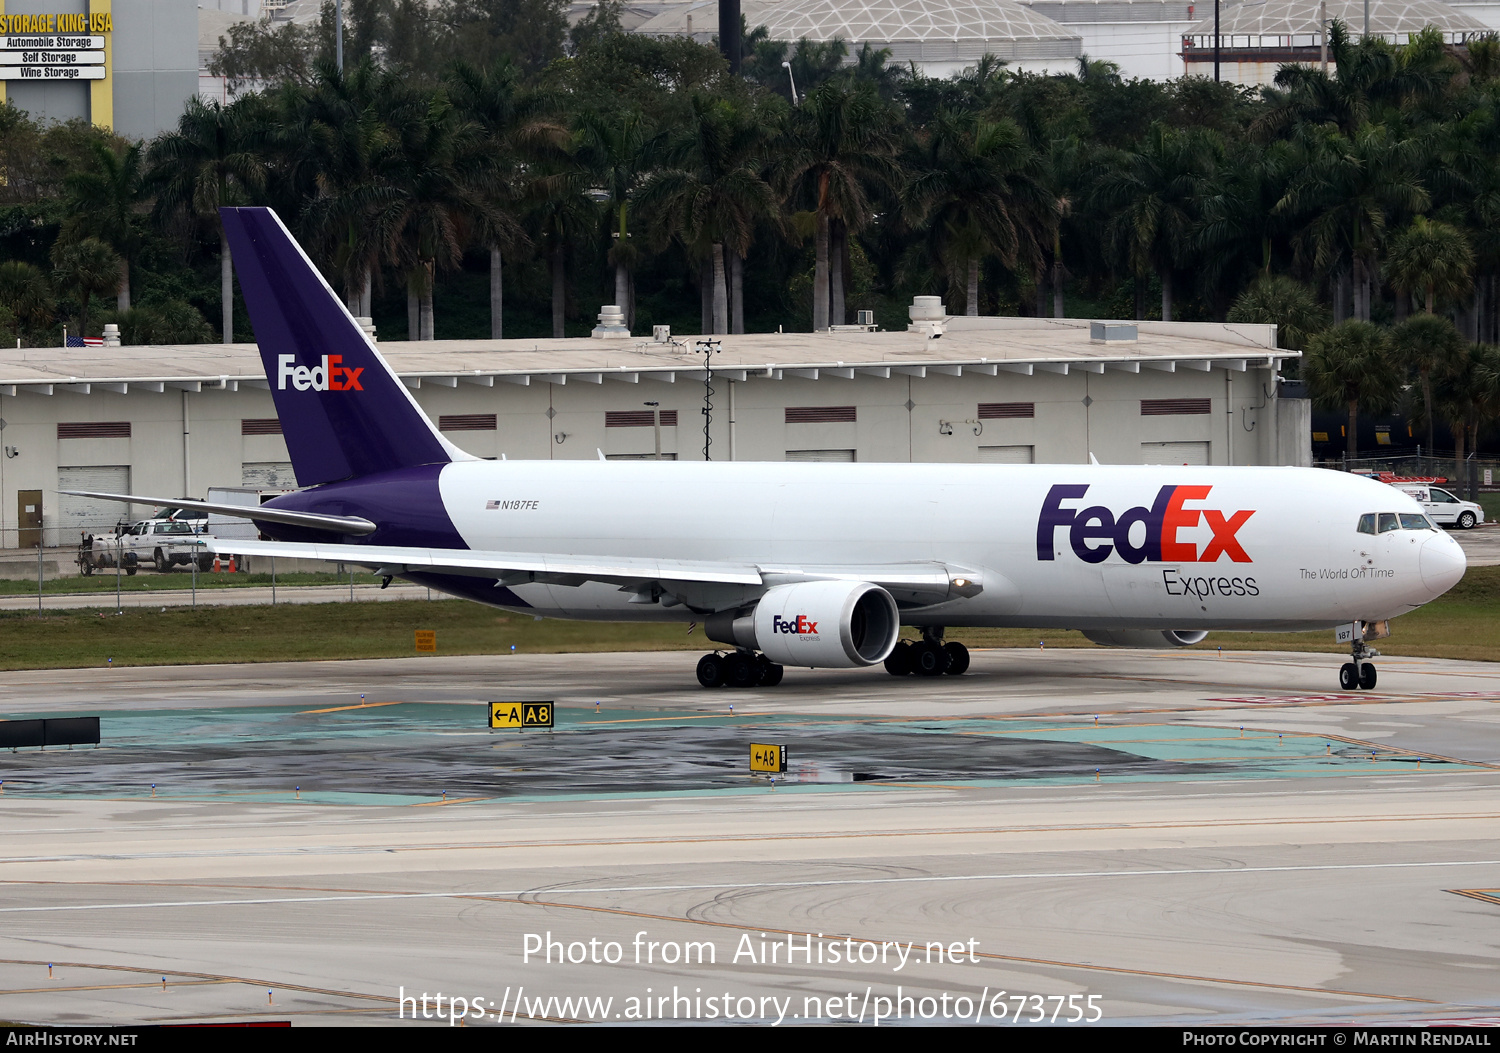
[1174, 453]
[1007, 454]
[84, 515]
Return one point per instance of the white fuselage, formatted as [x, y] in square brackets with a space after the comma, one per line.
[1295, 562]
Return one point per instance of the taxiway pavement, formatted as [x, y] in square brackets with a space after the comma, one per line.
[1182, 837]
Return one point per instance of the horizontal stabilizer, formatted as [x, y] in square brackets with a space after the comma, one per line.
[352, 525]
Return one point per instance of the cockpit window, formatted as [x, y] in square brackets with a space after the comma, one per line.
[1389, 521]
[1415, 522]
[1367, 523]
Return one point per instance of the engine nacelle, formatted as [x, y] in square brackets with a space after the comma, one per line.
[1145, 637]
[815, 624]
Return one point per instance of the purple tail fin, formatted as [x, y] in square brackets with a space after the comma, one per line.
[343, 412]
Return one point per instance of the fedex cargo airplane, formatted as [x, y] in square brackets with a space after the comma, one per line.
[813, 565]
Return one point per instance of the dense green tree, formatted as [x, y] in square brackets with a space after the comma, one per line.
[981, 193]
[1348, 367]
[1155, 195]
[1427, 345]
[712, 193]
[837, 153]
[90, 268]
[1289, 305]
[514, 130]
[104, 201]
[1433, 258]
[215, 157]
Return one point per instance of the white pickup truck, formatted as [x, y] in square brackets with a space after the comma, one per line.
[163, 543]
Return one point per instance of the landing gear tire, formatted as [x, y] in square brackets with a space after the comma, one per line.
[740, 670]
[1348, 677]
[1367, 677]
[929, 658]
[711, 671]
[1466, 520]
[899, 661]
[770, 672]
[958, 658]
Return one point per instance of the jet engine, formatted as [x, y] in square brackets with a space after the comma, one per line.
[1145, 637]
[829, 624]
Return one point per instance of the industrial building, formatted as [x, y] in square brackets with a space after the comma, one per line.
[174, 421]
[126, 65]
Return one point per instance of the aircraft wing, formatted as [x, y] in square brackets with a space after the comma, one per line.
[922, 583]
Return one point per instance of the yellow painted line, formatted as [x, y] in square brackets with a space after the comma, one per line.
[342, 709]
[116, 987]
[450, 800]
[260, 982]
[652, 720]
[1488, 895]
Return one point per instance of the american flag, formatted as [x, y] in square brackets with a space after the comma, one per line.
[85, 341]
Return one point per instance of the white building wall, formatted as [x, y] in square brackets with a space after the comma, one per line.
[1076, 415]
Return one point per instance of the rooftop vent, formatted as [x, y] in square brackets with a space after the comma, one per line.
[611, 324]
[1112, 333]
[927, 315]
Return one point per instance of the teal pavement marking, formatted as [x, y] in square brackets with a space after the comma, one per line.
[369, 736]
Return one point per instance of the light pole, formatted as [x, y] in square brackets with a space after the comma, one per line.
[1216, 41]
[788, 67]
[600, 195]
[338, 34]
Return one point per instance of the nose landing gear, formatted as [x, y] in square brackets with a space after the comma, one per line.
[1359, 675]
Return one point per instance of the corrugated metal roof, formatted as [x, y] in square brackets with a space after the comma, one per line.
[976, 344]
[1294, 23]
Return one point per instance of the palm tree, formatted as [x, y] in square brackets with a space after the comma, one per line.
[103, 202]
[1348, 366]
[89, 266]
[214, 158]
[617, 152]
[26, 295]
[838, 150]
[711, 193]
[335, 140]
[434, 188]
[1429, 345]
[981, 194]
[1467, 396]
[515, 132]
[1154, 194]
[1285, 303]
[1241, 228]
[1344, 196]
[1431, 256]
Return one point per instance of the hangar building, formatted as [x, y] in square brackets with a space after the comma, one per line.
[174, 421]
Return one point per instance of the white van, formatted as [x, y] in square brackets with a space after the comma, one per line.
[1442, 507]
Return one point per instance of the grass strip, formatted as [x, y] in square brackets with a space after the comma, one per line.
[1463, 624]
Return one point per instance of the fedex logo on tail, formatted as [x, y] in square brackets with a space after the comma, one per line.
[1095, 532]
[800, 627]
[330, 375]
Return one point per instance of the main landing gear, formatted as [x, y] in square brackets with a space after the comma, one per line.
[1359, 675]
[738, 669]
[929, 656]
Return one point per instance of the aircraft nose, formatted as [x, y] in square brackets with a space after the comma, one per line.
[1442, 563]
